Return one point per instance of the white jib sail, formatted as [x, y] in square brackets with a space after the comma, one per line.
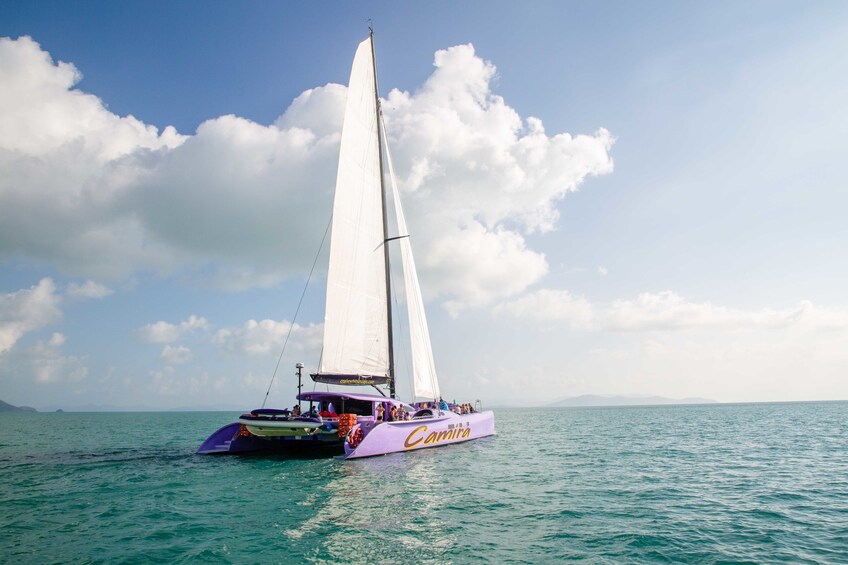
[355, 326]
[424, 379]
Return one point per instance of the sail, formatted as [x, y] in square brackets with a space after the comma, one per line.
[355, 324]
[424, 380]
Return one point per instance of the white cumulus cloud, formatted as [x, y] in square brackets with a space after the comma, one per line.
[244, 204]
[45, 362]
[175, 355]
[68, 163]
[164, 332]
[665, 311]
[164, 381]
[27, 310]
[267, 336]
[88, 289]
[477, 179]
[551, 305]
[670, 311]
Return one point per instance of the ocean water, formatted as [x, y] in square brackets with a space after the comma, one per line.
[718, 483]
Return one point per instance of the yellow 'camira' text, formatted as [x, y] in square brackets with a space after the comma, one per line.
[419, 435]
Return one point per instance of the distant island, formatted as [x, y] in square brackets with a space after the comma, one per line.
[6, 407]
[617, 400]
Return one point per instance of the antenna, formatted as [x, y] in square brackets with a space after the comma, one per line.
[299, 368]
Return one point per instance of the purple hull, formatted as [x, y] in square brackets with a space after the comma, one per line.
[228, 441]
[358, 421]
[443, 429]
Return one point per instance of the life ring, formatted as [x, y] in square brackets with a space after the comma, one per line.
[354, 437]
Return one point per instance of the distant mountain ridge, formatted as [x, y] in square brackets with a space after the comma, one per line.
[620, 400]
[6, 407]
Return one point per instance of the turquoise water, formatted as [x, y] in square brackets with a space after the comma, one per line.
[757, 483]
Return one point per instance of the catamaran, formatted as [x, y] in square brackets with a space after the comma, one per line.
[358, 345]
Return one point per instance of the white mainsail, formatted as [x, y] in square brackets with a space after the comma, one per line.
[424, 380]
[355, 322]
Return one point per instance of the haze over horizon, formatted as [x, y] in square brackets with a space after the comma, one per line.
[647, 198]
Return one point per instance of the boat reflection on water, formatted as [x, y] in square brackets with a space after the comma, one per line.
[387, 509]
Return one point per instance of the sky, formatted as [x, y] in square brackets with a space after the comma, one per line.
[603, 198]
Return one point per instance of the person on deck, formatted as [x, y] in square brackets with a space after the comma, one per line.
[380, 412]
[296, 410]
[442, 404]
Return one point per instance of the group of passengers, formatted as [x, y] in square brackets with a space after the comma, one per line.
[296, 412]
[466, 408]
[456, 408]
[396, 413]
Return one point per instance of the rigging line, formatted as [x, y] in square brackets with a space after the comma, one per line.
[410, 370]
[321, 356]
[401, 326]
[294, 319]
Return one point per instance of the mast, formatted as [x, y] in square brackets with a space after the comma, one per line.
[385, 224]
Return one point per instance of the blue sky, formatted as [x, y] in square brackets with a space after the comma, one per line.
[686, 238]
